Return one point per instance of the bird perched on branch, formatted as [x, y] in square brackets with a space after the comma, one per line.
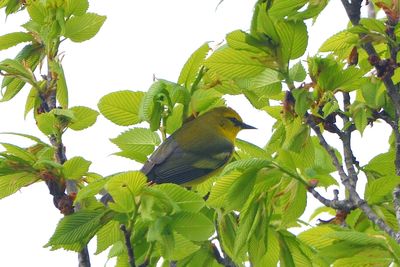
[197, 150]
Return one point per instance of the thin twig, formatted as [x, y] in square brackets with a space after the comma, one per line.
[128, 244]
[396, 203]
[345, 205]
[354, 197]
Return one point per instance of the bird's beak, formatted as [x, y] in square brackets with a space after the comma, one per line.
[246, 126]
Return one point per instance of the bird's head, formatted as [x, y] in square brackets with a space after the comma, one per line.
[228, 121]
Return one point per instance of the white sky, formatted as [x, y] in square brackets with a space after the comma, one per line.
[138, 39]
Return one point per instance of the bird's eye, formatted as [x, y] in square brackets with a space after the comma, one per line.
[235, 121]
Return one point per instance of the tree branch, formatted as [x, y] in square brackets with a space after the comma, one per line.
[396, 203]
[354, 197]
[345, 205]
[128, 244]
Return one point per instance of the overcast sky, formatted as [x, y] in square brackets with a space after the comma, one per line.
[138, 40]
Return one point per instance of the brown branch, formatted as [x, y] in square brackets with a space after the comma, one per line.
[396, 203]
[345, 205]
[128, 244]
[354, 197]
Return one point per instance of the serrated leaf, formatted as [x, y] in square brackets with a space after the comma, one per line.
[240, 190]
[285, 8]
[194, 226]
[182, 248]
[122, 107]
[107, 236]
[297, 72]
[231, 63]
[76, 7]
[318, 237]
[84, 118]
[295, 205]
[37, 11]
[293, 39]
[123, 188]
[377, 190]
[31, 100]
[137, 143]
[250, 149]
[62, 88]
[90, 190]
[77, 229]
[14, 38]
[75, 168]
[84, 27]
[186, 200]
[359, 238]
[220, 189]
[382, 164]
[192, 66]
[245, 164]
[9, 184]
[19, 152]
[46, 123]
[341, 41]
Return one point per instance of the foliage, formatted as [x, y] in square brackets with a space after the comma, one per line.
[248, 209]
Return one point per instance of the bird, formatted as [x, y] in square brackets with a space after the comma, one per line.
[194, 152]
[197, 150]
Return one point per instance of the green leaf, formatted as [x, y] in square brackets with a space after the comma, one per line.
[62, 88]
[90, 190]
[194, 226]
[283, 8]
[186, 200]
[9, 184]
[220, 189]
[77, 229]
[75, 168]
[382, 164]
[358, 238]
[17, 69]
[245, 164]
[296, 203]
[241, 40]
[192, 66]
[241, 189]
[108, 235]
[19, 152]
[37, 11]
[340, 43]
[377, 190]
[303, 100]
[181, 248]
[231, 63]
[293, 39]
[84, 27]
[46, 123]
[12, 39]
[297, 72]
[33, 96]
[84, 118]
[123, 188]
[76, 7]
[122, 107]
[250, 149]
[245, 225]
[137, 143]
[318, 236]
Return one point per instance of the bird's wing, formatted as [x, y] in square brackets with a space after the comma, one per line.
[174, 165]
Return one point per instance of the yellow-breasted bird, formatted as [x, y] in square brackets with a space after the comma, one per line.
[197, 150]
